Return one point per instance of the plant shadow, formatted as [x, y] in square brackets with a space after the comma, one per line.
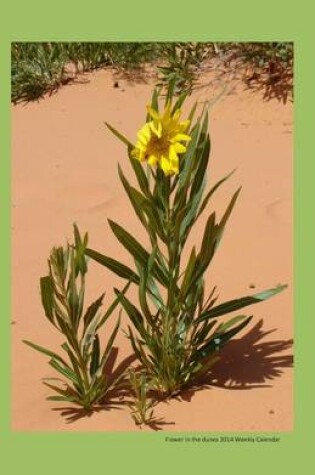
[246, 363]
[116, 397]
[157, 424]
[277, 86]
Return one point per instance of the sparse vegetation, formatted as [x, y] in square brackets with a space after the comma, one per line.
[40, 68]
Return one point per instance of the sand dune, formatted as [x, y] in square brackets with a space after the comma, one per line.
[64, 169]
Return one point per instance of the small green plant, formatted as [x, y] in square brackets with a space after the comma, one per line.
[182, 61]
[142, 406]
[82, 363]
[38, 68]
[177, 332]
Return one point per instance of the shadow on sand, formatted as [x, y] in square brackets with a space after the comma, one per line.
[245, 363]
[275, 85]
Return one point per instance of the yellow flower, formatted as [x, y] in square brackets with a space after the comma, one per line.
[160, 140]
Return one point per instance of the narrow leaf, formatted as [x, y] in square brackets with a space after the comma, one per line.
[211, 192]
[110, 343]
[46, 352]
[95, 358]
[47, 296]
[140, 174]
[119, 135]
[92, 311]
[218, 340]
[67, 372]
[229, 208]
[117, 267]
[134, 196]
[236, 304]
[137, 251]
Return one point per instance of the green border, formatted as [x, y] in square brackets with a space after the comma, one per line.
[39, 453]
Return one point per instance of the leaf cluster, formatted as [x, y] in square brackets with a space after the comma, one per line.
[141, 407]
[175, 330]
[82, 361]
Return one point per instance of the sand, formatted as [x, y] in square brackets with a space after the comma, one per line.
[64, 170]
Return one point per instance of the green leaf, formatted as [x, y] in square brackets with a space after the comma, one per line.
[208, 247]
[145, 287]
[140, 174]
[68, 392]
[225, 336]
[236, 304]
[230, 323]
[155, 222]
[62, 399]
[67, 372]
[192, 112]
[219, 339]
[211, 192]
[187, 164]
[208, 236]
[92, 311]
[213, 234]
[229, 208]
[170, 89]
[189, 216]
[266, 294]
[187, 281]
[137, 251]
[117, 267]
[134, 196]
[154, 102]
[95, 358]
[75, 365]
[132, 312]
[80, 249]
[202, 168]
[47, 295]
[205, 366]
[112, 307]
[73, 297]
[46, 352]
[119, 135]
[202, 334]
[138, 350]
[129, 242]
[181, 99]
[110, 343]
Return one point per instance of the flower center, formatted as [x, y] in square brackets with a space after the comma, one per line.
[158, 146]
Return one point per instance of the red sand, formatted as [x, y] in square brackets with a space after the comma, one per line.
[64, 169]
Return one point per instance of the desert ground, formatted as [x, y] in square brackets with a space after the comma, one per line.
[64, 170]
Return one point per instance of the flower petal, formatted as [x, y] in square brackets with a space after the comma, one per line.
[181, 137]
[179, 148]
[144, 134]
[165, 165]
[153, 160]
[156, 128]
[173, 158]
[162, 139]
[183, 125]
[175, 168]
